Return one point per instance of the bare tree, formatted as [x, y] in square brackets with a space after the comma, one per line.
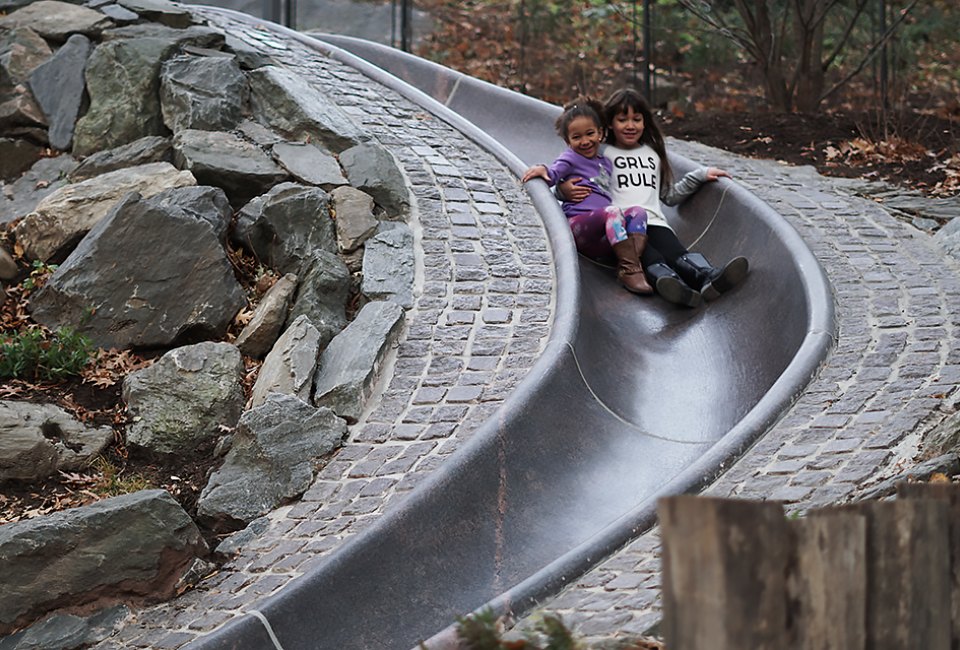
[795, 42]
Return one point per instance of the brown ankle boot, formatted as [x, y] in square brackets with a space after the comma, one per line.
[629, 271]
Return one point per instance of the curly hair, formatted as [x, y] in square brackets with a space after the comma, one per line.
[580, 107]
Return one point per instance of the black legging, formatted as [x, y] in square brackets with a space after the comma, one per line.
[662, 246]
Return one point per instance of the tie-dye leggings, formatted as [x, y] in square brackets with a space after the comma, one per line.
[594, 232]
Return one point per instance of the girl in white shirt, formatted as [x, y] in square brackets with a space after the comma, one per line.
[642, 177]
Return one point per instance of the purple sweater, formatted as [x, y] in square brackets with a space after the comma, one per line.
[596, 173]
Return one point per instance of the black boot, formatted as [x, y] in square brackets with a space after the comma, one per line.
[697, 271]
[671, 287]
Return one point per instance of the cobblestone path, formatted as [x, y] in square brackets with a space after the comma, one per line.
[484, 303]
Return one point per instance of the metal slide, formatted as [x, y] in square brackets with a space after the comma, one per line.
[633, 399]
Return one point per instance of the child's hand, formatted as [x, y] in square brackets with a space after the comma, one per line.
[571, 191]
[537, 171]
[714, 174]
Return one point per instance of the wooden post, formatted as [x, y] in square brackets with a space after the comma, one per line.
[948, 493]
[827, 582]
[724, 574]
[908, 574]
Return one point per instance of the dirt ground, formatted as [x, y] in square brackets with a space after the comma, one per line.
[923, 154]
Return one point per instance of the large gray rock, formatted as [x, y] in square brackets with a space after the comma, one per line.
[259, 335]
[201, 202]
[45, 177]
[202, 92]
[160, 11]
[126, 290]
[124, 86]
[58, 86]
[21, 51]
[56, 21]
[130, 547]
[373, 169]
[323, 294]
[16, 157]
[309, 164]
[182, 401]
[355, 220]
[226, 161]
[8, 266]
[291, 106]
[286, 225]
[150, 149]
[67, 631]
[290, 365]
[349, 366]
[63, 217]
[20, 111]
[388, 265]
[194, 36]
[37, 440]
[271, 461]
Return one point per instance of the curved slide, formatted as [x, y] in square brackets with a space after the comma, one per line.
[633, 399]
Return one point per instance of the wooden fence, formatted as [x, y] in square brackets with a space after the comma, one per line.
[875, 575]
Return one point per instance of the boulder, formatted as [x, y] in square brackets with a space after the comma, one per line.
[286, 225]
[123, 290]
[56, 21]
[185, 399]
[20, 110]
[17, 156]
[355, 220]
[67, 631]
[271, 461]
[309, 164]
[131, 547]
[37, 440]
[8, 266]
[259, 335]
[21, 51]
[388, 265]
[202, 92]
[226, 161]
[58, 86]
[63, 217]
[124, 86]
[160, 11]
[349, 366]
[290, 365]
[150, 149]
[323, 294]
[372, 168]
[181, 39]
[44, 178]
[291, 106]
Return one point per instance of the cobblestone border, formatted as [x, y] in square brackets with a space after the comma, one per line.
[484, 307]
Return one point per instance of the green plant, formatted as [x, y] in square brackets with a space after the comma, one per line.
[39, 272]
[112, 481]
[31, 354]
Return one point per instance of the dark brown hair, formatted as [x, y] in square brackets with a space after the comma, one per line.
[625, 98]
[580, 107]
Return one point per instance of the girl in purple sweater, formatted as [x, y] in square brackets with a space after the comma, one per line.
[598, 226]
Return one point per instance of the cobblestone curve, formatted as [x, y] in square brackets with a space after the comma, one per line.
[894, 364]
[483, 306]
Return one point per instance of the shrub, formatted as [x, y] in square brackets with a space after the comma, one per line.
[32, 354]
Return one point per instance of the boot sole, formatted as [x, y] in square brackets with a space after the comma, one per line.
[675, 291]
[731, 275]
